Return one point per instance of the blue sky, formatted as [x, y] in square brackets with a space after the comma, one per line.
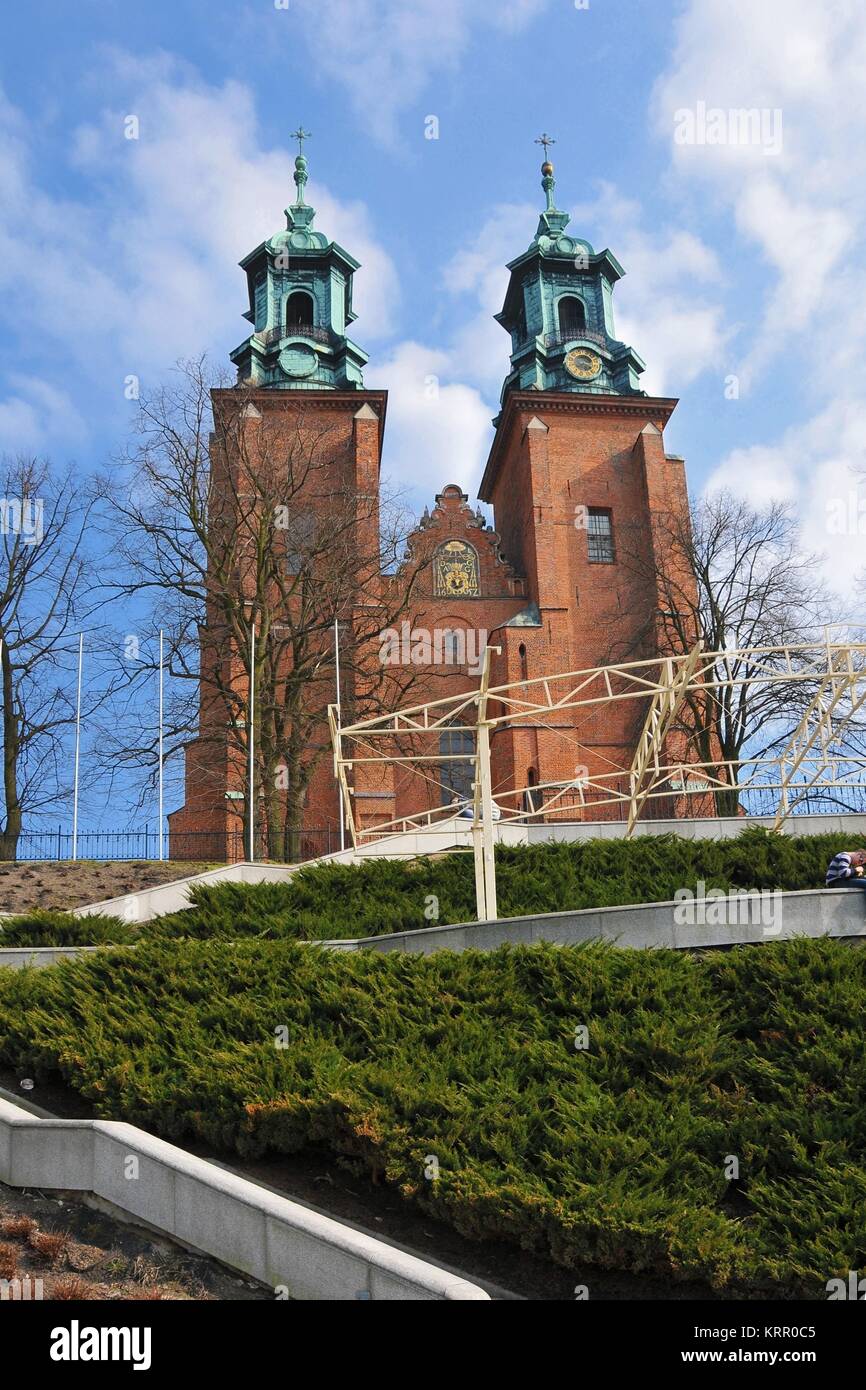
[117, 257]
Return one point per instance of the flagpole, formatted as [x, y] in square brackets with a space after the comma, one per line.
[161, 836]
[77, 749]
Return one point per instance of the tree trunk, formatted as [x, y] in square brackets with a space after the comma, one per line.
[728, 802]
[12, 829]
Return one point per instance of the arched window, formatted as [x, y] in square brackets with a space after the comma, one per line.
[456, 777]
[524, 667]
[454, 647]
[533, 797]
[572, 315]
[302, 540]
[299, 310]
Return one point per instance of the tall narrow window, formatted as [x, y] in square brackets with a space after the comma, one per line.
[454, 647]
[572, 315]
[533, 797]
[299, 310]
[456, 777]
[302, 541]
[524, 667]
[600, 536]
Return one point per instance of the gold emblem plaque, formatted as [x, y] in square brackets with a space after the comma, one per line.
[455, 571]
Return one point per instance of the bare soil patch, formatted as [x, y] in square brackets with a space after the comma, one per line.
[82, 1254]
[63, 885]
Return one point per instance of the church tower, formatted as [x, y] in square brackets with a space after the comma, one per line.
[298, 442]
[577, 467]
[559, 312]
[300, 291]
[577, 476]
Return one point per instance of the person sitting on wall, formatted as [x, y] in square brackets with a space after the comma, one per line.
[847, 870]
[467, 811]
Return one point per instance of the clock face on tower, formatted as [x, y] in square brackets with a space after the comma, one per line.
[582, 363]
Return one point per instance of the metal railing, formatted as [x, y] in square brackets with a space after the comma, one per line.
[567, 335]
[575, 335]
[267, 336]
[201, 846]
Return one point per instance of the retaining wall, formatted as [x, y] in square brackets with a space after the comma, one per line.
[271, 1238]
[748, 919]
[752, 918]
[455, 833]
[174, 897]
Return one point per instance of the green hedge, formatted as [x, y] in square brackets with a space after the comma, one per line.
[42, 928]
[381, 896]
[613, 1155]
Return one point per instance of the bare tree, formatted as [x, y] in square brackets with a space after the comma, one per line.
[43, 597]
[736, 576]
[247, 532]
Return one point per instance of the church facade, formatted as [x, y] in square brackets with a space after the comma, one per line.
[577, 462]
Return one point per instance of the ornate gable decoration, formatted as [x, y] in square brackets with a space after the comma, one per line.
[462, 551]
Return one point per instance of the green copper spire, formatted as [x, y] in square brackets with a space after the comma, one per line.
[552, 222]
[300, 178]
[548, 182]
[300, 288]
[559, 311]
[300, 163]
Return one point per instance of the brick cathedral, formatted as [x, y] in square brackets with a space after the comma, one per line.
[577, 460]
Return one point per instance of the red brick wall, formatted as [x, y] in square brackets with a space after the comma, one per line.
[554, 454]
[327, 423]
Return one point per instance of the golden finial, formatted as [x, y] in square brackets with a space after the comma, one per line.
[546, 140]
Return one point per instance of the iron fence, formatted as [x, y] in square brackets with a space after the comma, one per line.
[202, 846]
[754, 801]
[229, 846]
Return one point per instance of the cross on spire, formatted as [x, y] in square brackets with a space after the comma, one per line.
[301, 135]
[545, 140]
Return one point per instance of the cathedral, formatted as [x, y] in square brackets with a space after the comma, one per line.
[577, 462]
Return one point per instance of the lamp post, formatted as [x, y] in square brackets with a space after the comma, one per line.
[339, 784]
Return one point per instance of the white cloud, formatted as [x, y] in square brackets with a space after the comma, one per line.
[438, 429]
[385, 53]
[801, 208]
[477, 279]
[35, 417]
[800, 214]
[820, 466]
[146, 271]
